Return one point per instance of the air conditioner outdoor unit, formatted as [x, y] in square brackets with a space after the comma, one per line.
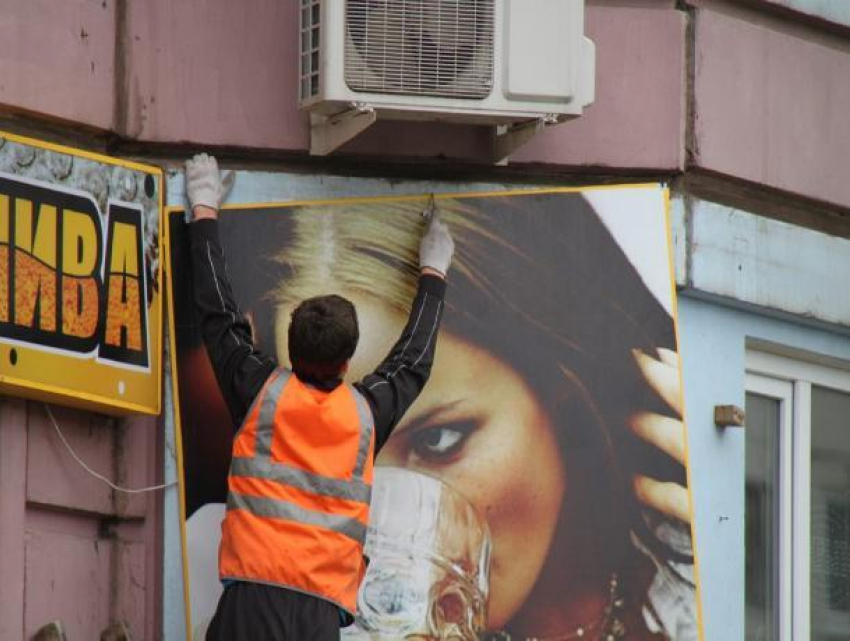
[515, 64]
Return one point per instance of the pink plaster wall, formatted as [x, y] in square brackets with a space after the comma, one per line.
[57, 58]
[769, 98]
[67, 574]
[13, 474]
[213, 72]
[772, 108]
[233, 83]
[638, 118]
[59, 558]
[54, 478]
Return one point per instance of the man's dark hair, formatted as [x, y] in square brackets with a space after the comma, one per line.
[323, 335]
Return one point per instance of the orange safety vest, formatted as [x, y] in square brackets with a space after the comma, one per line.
[299, 489]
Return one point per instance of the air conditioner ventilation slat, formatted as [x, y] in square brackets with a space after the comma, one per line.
[309, 38]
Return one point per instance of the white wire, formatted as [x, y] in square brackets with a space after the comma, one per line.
[97, 475]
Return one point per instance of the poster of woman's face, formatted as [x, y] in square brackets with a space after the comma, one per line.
[554, 408]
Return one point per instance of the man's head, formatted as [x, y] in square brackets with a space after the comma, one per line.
[323, 335]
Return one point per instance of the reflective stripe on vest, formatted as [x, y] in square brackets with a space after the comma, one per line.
[277, 509]
[262, 466]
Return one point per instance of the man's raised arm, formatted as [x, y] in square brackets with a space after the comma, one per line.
[399, 379]
[239, 368]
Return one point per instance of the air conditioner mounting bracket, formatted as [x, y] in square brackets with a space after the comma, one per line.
[328, 133]
[508, 138]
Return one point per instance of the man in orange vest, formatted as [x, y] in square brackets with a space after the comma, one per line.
[291, 555]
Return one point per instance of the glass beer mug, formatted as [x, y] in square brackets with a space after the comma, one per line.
[429, 556]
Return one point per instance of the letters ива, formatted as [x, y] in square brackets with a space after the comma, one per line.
[66, 285]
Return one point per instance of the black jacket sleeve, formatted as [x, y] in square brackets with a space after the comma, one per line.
[240, 369]
[399, 379]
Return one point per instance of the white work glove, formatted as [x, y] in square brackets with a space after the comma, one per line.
[437, 246]
[204, 183]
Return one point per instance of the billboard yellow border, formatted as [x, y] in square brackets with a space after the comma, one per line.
[81, 399]
[425, 196]
[674, 300]
[165, 237]
[181, 210]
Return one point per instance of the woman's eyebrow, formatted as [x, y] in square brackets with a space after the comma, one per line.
[430, 416]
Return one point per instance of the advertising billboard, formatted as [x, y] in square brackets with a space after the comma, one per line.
[540, 481]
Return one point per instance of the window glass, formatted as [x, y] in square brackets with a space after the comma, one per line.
[762, 516]
[830, 515]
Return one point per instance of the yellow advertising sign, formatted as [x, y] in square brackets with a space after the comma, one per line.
[80, 304]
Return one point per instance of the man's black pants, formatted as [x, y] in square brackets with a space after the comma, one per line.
[257, 612]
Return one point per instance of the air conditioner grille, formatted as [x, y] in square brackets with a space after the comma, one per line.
[420, 47]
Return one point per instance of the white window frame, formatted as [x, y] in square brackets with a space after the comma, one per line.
[783, 392]
[789, 380]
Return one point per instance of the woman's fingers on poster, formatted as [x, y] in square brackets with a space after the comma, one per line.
[668, 498]
[664, 432]
[667, 433]
[669, 357]
[661, 371]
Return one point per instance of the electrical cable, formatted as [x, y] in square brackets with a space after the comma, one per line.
[97, 475]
